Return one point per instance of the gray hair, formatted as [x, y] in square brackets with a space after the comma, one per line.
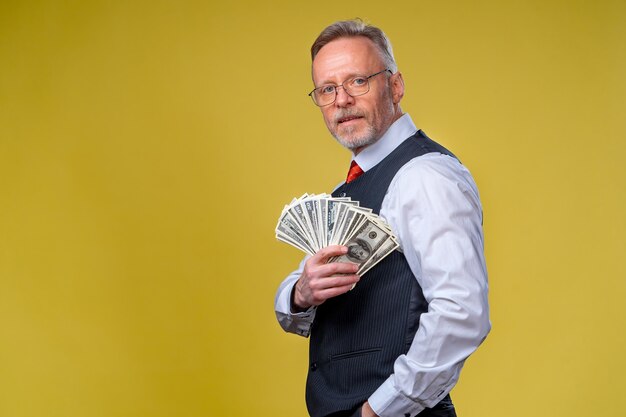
[354, 28]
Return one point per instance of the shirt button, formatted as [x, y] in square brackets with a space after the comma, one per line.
[313, 367]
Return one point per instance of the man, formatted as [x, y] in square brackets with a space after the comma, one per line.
[395, 344]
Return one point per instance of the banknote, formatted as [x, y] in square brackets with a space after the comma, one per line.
[385, 249]
[315, 221]
[363, 243]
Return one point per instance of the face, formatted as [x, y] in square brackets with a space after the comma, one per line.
[357, 122]
[358, 251]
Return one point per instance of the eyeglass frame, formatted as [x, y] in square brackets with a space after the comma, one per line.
[367, 78]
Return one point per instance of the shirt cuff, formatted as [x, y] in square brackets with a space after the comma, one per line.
[298, 323]
[303, 321]
[386, 401]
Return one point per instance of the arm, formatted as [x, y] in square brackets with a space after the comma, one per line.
[433, 206]
[310, 285]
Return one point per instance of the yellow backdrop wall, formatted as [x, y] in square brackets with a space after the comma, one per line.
[147, 149]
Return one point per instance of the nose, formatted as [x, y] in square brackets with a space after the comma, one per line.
[343, 99]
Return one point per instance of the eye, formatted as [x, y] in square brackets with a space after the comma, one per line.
[358, 81]
[327, 89]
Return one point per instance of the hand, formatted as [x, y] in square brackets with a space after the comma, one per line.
[366, 411]
[320, 280]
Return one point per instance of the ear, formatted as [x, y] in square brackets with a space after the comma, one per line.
[397, 87]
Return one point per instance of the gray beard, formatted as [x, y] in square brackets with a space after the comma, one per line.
[368, 138]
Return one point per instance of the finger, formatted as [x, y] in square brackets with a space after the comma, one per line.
[333, 282]
[334, 292]
[336, 268]
[329, 251]
[324, 288]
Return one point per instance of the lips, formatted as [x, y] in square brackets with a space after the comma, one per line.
[348, 119]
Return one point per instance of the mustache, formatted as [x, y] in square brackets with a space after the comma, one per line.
[347, 113]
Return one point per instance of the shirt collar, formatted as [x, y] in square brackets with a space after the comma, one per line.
[400, 130]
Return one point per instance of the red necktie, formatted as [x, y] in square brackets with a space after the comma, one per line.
[354, 172]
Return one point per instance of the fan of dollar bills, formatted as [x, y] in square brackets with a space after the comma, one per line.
[313, 222]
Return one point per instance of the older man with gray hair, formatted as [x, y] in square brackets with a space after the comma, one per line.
[395, 344]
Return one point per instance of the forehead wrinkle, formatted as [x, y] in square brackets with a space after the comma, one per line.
[345, 58]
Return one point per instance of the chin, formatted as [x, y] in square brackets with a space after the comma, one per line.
[354, 143]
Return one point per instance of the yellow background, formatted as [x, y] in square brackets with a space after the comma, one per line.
[147, 148]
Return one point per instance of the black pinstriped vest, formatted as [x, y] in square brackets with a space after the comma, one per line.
[356, 337]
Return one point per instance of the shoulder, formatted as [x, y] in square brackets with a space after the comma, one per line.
[433, 178]
[431, 167]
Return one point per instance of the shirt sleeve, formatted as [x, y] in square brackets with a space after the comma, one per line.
[433, 206]
[298, 323]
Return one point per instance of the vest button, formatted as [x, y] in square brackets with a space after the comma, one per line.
[313, 367]
[343, 194]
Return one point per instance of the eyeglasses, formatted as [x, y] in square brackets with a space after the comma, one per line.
[357, 86]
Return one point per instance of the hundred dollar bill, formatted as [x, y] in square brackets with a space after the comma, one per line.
[344, 216]
[385, 249]
[288, 231]
[322, 205]
[336, 208]
[311, 217]
[297, 212]
[360, 215]
[363, 244]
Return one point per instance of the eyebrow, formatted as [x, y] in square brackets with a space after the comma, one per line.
[350, 76]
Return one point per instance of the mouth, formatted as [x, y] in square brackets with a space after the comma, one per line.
[348, 119]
